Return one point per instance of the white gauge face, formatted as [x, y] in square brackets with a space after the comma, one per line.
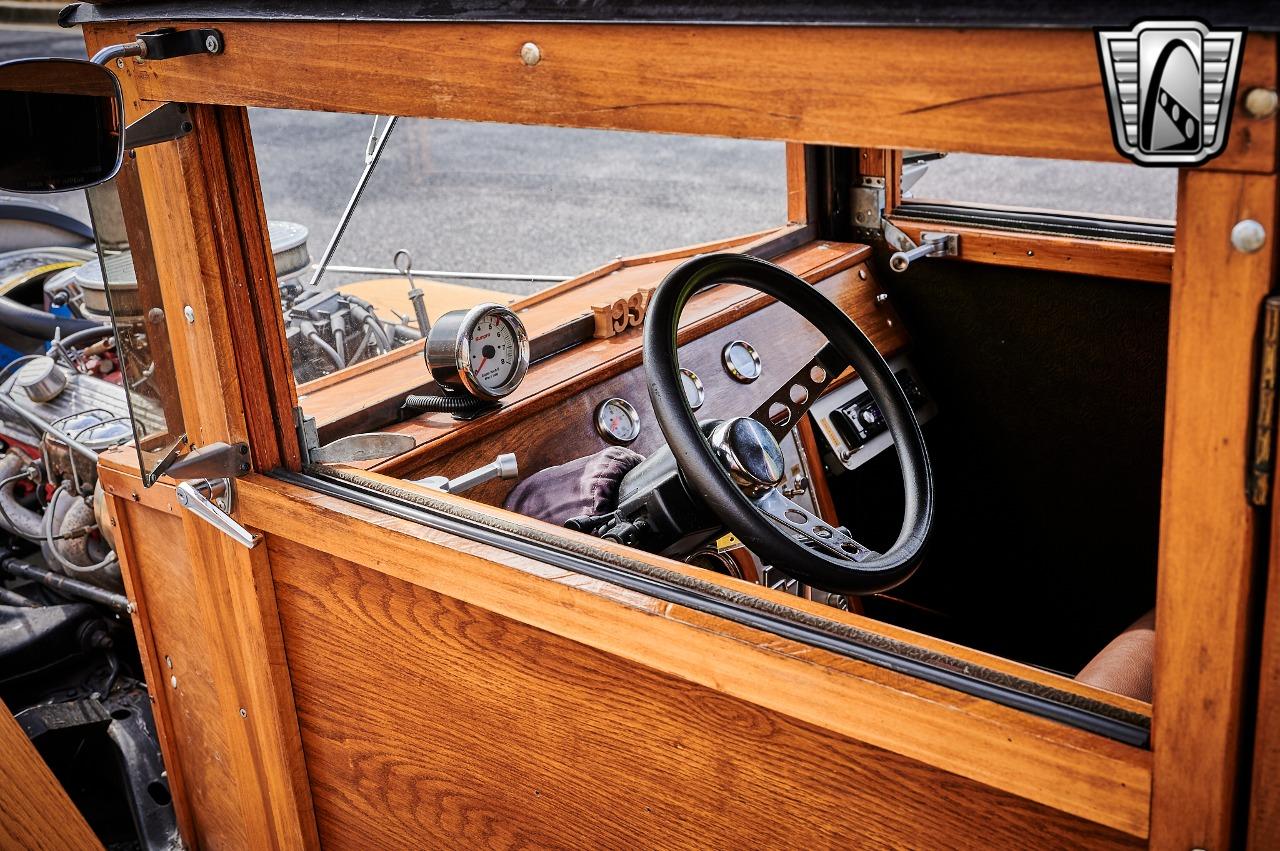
[494, 352]
[692, 385]
[741, 361]
[617, 421]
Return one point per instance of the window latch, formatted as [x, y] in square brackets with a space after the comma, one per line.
[210, 500]
[932, 244]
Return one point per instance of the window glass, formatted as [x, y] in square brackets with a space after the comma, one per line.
[486, 212]
[1063, 186]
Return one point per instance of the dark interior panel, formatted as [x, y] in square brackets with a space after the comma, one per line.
[1047, 452]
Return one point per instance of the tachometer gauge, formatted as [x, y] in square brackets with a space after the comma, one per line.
[617, 421]
[693, 391]
[483, 351]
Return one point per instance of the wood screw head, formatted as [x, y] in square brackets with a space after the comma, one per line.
[1248, 236]
[1260, 102]
[530, 53]
[190, 313]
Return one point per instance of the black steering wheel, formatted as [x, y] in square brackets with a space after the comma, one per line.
[736, 468]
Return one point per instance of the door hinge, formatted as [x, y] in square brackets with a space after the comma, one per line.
[1262, 461]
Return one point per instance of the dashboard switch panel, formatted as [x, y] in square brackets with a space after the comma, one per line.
[851, 421]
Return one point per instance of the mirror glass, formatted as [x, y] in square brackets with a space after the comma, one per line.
[63, 125]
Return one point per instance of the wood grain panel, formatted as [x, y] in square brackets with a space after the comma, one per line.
[1208, 529]
[337, 400]
[975, 90]
[35, 811]
[564, 429]
[158, 569]
[1044, 761]
[489, 733]
[1107, 259]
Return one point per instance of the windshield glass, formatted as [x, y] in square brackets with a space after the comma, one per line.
[478, 213]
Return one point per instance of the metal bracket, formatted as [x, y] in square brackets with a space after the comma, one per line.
[932, 244]
[868, 204]
[170, 43]
[361, 447]
[1262, 462]
[195, 497]
[215, 461]
[308, 434]
[164, 124]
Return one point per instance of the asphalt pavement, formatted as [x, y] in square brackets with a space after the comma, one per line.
[555, 201]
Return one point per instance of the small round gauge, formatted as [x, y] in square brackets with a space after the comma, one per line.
[693, 390]
[483, 351]
[741, 361]
[617, 421]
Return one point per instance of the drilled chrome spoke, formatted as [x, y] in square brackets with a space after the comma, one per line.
[790, 402]
[810, 529]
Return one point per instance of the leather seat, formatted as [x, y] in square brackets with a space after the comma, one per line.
[1124, 666]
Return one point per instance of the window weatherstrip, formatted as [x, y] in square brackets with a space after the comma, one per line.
[1049, 224]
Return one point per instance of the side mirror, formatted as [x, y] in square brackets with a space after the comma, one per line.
[63, 125]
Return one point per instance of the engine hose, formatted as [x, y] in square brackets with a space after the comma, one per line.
[445, 404]
[36, 323]
[88, 334]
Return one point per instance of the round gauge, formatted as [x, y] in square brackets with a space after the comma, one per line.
[693, 391]
[483, 351]
[617, 421]
[741, 361]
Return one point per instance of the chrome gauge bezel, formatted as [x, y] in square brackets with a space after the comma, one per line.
[732, 368]
[633, 416]
[694, 404]
[448, 351]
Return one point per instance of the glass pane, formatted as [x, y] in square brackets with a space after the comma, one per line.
[1064, 186]
[487, 213]
[124, 287]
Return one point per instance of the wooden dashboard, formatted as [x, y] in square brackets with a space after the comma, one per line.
[551, 418]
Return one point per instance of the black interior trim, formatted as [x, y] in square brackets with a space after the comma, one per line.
[1093, 716]
[1054, 224]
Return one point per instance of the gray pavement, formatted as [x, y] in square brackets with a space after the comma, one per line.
[545, 200]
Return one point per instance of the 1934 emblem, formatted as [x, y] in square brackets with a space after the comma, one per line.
[1170, 86]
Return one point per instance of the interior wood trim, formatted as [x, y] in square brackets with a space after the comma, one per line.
[1060, 766]
[980, 91]
[1101, 258]
[1208, 528]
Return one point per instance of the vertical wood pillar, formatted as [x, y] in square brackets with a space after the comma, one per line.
[1208, 529]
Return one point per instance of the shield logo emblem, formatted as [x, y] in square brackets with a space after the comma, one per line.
[1170, 87]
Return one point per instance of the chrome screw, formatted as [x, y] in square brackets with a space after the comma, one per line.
[1248, 236]
[530, 53]
[190, 313]
[120, 64]
[212, 44]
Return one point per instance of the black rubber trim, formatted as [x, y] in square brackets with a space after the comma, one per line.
[45, 216]
[993, 14]
[1053, 224]
[670, 586]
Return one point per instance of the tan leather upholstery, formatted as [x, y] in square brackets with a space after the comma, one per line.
[1124, 665]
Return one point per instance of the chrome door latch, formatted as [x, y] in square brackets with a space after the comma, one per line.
[932, 244]
[210, 500]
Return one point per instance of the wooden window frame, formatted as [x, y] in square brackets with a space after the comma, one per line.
[1208, 530]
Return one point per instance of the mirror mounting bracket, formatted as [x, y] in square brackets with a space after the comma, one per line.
[163, 124]
[164, 43]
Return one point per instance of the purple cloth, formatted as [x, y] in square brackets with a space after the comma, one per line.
[587, 485]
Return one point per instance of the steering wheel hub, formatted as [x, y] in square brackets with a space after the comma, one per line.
[750, 453]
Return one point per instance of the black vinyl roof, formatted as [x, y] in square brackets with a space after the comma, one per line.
[980, 14]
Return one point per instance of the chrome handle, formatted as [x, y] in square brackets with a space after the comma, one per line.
[931, 245]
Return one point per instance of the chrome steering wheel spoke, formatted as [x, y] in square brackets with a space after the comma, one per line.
[810, 529]
[790, 402]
